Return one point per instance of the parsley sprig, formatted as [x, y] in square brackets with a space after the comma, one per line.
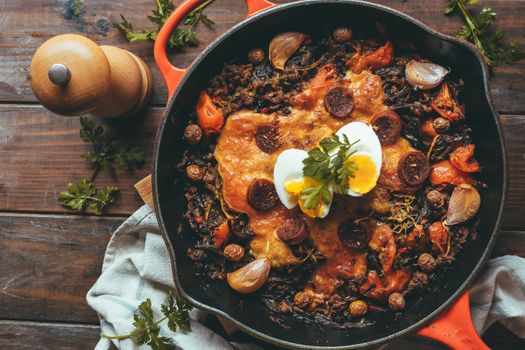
[83, 194]
[328, 164]
[182, 36]
[147, 330]
[479, 32]
[105, 153]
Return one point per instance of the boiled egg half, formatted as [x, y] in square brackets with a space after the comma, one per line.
[367, 159]
[366, 162]
[290, 182]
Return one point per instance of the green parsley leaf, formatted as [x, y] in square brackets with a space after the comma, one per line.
[105, 153]
[89, 131]
[315, 195]
[176, 311]
[329, 165]
[147, 330]
[479, 31]
[184, 35]
[79, 195]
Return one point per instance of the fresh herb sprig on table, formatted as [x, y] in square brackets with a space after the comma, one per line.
[182, 36]
[147, 330]
[84, 195]
[479, 31]
[105, 153]
[329, 165]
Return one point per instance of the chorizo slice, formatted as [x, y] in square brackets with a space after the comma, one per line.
[267, 137]
[339, 102]
[413, 168]
[293, 231]
[355, 236]
[387, 126]
[262, 195]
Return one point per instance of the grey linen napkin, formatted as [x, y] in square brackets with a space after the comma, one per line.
[137, 266]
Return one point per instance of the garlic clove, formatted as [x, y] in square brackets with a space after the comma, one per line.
[283, 46]
[463, 205]
[425, 75]
[250, 277]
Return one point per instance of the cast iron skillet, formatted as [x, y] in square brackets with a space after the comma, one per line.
[265, 21]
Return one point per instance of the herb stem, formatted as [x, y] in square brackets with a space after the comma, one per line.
[472, 26]
[120, 337]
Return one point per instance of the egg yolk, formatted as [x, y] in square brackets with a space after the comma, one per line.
[365, 178]
[295, 187]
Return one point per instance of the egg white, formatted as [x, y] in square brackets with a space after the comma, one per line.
[368, 144]
[289, 167]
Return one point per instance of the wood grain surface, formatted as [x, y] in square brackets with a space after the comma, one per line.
[50, 256]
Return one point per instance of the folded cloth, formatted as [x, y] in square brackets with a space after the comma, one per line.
[499, 295]
[137, 266]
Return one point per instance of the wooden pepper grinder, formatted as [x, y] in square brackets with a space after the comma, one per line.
[71, 75]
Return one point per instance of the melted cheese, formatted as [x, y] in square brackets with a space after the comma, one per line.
[240, 161]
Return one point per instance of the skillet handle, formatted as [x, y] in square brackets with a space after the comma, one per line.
[454, 328]
[172, 75]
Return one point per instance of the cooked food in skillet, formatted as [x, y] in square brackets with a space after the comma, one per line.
[330, 177]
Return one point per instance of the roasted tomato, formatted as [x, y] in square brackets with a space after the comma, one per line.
[209, 117]
[444, 172]
[446, 105]
[378, 288]
[417, 239]
[427, 128]
[373, 60]
[438, 235]
[461, 158]
[383, 242]
[221, 234]
[325, 78]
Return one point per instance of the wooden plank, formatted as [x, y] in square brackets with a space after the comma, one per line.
[44, 19]
[40, 154]
[49, 262]
[45, 336]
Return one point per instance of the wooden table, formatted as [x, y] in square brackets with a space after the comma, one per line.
[50, 256]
